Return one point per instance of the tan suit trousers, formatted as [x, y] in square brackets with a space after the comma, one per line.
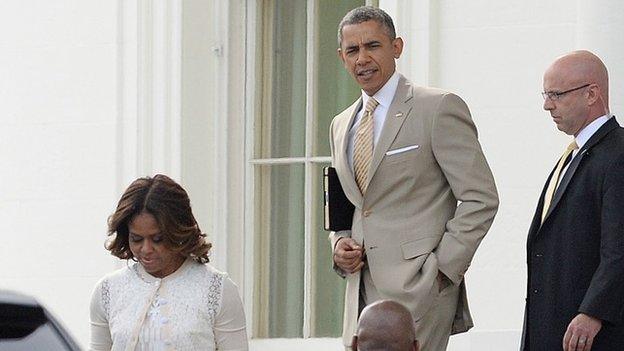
[434, 328]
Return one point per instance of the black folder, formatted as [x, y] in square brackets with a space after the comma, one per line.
[338, 208]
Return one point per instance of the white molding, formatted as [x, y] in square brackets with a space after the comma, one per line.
[126, 147]
[221, 135]
[310, 344]
[417, 22]
[144, 91]
[148, 83]
[480, 339]
[432, 16]
[290, 160]
[148, 101]
[175, 88]
[127, 92]
[251, 25]
[310, 121]
[235, 147]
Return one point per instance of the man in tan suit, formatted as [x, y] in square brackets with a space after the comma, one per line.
[408, 158]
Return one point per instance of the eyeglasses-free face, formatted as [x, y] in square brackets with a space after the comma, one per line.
[369, 54]
[148, 246]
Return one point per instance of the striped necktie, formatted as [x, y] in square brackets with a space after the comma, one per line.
[363, 149]
[554, 180]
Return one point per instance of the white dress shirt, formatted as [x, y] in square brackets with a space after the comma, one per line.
[586, 133]
[583, 136]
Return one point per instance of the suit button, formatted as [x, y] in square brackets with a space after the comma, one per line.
[367, 213]
[535, 291]
[538, 255]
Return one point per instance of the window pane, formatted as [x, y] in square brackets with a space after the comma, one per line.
[281, 124]
[327, 286]
[279, 251]
[336, 90]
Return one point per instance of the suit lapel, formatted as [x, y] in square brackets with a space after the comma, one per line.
[537, 217]
[565, 180]
[567, 177]
[397, 113]
[344, 171]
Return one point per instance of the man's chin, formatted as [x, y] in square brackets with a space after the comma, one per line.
[369, 89]
[565, 130]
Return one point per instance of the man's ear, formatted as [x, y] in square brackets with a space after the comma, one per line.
[397, 47]
[354, 343]
[593, 94]
[339, 52]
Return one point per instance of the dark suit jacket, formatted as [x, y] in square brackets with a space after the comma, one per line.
[576, 257]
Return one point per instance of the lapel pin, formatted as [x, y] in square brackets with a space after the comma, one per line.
[400, 114]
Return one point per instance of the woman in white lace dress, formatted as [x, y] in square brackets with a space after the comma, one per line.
[170, 298]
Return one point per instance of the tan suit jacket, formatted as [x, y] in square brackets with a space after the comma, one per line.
[426, 209]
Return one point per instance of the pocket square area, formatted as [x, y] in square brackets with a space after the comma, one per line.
[402, 149]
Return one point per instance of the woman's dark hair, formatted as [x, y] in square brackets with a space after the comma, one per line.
[169, 203]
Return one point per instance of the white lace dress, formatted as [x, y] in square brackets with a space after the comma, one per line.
[195, 308]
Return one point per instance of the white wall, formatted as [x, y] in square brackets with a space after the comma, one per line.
[91, 99]
[57, 150]
[76, 126]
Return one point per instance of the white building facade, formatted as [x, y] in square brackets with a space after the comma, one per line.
[234, 100]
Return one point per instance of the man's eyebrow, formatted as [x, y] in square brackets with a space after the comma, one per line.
[368, 43]
[372, 42]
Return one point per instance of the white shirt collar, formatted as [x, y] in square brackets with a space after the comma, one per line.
[384, 95]
[587, 132]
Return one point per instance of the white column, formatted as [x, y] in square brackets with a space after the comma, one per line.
[148, 78]
[206, 119]
[600, 29]
[416, 21]
[127, 101]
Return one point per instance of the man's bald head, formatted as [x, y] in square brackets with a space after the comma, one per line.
[385, 325]
[576, 91]
[583, 66]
